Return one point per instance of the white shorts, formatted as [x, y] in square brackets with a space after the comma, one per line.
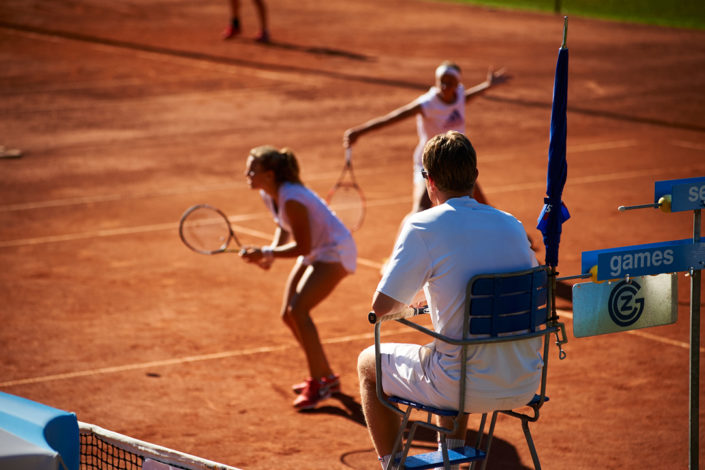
[410, 371]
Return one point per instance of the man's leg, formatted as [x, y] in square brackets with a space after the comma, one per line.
[382, 423]
[456, 439]
[460, 431]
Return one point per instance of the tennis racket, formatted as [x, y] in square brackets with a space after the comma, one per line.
[345, 198]
[206, 230]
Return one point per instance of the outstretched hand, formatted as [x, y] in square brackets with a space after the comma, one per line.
[349, 138]
[496, 77]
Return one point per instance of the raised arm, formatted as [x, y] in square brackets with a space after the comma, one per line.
[399, 114]
[494, 77]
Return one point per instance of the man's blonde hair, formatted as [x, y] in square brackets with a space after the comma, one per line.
[451, 162]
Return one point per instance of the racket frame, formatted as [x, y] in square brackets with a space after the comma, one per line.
[347, 168]
[231, 233]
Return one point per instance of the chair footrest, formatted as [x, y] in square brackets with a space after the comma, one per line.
[435, 459]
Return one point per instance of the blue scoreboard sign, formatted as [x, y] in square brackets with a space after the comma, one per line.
[641, 260]
[686, 194]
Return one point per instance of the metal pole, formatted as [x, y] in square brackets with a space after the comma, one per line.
[695, 354]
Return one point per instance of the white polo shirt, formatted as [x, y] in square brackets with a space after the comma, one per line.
[441, 249]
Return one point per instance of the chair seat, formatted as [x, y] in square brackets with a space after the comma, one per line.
[435, 459]
[422, 407]
[441, 411]
[536, 400]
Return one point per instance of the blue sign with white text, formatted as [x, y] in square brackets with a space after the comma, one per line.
[686, 194]
[642, 260]
[687, 197]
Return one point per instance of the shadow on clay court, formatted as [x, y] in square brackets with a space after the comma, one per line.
[351, 409]
[503, 454]
[327, 51]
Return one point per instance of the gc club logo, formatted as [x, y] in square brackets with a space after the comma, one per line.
[624, 306]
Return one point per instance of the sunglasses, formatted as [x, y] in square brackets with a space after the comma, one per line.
[424, 173]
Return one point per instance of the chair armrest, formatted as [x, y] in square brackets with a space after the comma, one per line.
[405, 313]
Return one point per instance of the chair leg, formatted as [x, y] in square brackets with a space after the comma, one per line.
[490, 434]
[530, 442]
[407, 445]
[398, 440]
[444, 451]
[480, 434]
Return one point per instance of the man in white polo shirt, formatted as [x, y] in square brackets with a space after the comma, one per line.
[440, 250]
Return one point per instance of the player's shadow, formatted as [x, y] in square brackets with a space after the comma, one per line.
[503, 455]
[318, 50]
[350, 409]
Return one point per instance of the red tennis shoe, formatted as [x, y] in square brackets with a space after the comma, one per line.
[313, 393]
[333, 382]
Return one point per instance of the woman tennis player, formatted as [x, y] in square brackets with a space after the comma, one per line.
[325, 252]
[439, 110]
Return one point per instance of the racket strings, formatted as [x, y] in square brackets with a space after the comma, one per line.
[205, 231]
[347, 203]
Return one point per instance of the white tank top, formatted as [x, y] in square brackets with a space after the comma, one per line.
[328, 233]
[438, 117]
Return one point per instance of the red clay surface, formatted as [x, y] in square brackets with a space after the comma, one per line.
[129, 112]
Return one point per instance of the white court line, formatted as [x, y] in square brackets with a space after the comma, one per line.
[689, 145]
[186, 360]
[145, 194]
[331, 175]
[571, 149]
[618, 144]
[259, 350]
[643, 334]
[576, 180]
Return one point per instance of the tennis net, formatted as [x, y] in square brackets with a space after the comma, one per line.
[106, 450]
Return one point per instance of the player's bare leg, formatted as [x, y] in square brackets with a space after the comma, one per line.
[289, 291]
[316, 283]
[233, 28]
[263, 35]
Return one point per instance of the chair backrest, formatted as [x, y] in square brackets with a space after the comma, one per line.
[498, 304]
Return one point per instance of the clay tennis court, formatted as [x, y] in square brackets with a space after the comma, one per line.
[129, 112]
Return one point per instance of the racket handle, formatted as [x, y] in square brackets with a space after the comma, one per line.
[348, 156]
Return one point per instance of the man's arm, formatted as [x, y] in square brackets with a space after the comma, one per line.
[382, 304]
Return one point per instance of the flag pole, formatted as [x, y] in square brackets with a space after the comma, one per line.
[565, 32]
[553, 273]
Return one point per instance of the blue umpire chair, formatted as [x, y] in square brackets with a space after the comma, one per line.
[499, 307]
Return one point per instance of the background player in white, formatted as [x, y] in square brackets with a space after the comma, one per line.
[440, 250]
[440, 109]
[325, 252]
